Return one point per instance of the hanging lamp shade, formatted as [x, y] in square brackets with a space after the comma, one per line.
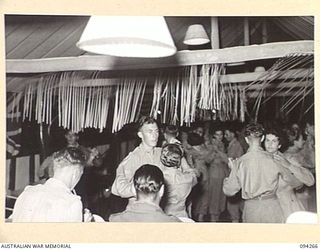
[127, 36]
[196, 35]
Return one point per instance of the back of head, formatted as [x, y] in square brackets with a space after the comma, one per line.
[171, 130]
[68, 157]
[145, 120]
[195, 139]
[254, 130]
[171, 155]
[148, 180]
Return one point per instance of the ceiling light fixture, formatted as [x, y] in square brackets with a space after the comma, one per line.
[128, 36]
[196, 35]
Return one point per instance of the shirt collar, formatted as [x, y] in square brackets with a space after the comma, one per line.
[145, 205]
[57, 184]
[145, 149]
[255, 149]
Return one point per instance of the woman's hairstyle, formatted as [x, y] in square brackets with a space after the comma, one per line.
[148, 179]
[145, 120]
[194, 139]
[171, 155]
[69, 156]
[254, 129]
[278, 133]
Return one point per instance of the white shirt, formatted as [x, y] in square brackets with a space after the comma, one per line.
[52, 201]
[123, 184]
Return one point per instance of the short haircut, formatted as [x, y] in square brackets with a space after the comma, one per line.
[171, 155]
[69, 156]
[171, 130]
[215, 129]
[145, 120]
[254, 129]
[148, 179]
[194, 139]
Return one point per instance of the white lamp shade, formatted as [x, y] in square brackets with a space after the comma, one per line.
[127, 36]
[196, 35]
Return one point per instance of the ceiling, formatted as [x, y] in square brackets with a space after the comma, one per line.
[42, 37]
[55, 36]
[35, 37]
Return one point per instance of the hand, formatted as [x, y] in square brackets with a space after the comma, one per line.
[231, 163]
[87, 216]
[196, 172]
[93, 157]
[279, 159]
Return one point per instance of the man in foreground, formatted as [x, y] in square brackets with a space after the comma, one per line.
[257, 175]
[54, 201]
[149, 187]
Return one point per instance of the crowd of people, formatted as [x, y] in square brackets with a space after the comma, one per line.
[210, 172]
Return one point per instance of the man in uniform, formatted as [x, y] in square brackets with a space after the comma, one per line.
[257, 175]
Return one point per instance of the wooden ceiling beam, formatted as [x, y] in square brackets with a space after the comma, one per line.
[215, 35]
[284, 93]
[17, 84]
[182, 58]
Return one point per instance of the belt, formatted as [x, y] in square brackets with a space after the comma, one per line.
[265, 197]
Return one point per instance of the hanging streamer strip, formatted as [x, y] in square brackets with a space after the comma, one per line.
[272, 76]
[127, 105]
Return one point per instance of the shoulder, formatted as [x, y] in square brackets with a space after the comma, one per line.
[32, 189]
[48, 160]
[67, 200]
[75, 201]
[252, 153]
[118, 217]
[132, 155]
[157, 150]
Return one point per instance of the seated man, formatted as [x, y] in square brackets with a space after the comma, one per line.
[54, 201]
[148, 182]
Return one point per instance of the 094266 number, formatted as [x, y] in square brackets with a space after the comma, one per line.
[310, 246]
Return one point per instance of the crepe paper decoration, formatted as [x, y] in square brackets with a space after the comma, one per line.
[299, 82]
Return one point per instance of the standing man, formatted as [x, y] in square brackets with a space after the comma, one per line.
[145, 153]
[257, 174]
[234, 151]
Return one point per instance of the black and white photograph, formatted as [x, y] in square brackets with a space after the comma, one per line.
[192, 119]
